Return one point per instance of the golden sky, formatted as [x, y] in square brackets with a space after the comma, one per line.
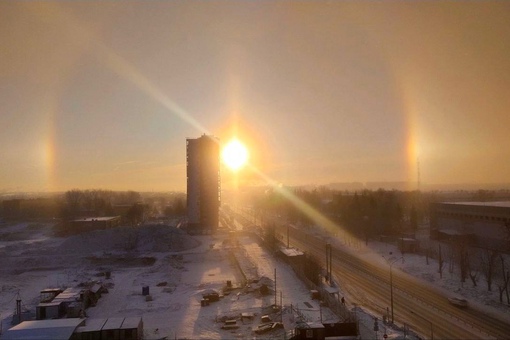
[104, 94]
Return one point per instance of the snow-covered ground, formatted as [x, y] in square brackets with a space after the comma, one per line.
[177, 268]
[417, 266]
[180, 268]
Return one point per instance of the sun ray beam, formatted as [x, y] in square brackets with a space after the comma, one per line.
[318, 218]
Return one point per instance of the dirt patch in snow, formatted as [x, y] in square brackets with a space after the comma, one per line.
[122, 261]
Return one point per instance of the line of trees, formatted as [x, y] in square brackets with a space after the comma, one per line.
[101, 203]
[365, 213]
[96, 202]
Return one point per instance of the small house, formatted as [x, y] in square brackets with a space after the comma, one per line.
[47, 295]
[49, 310]
[56, 303]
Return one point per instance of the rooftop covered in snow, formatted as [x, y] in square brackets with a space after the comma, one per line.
[44, 329]
[502, 204]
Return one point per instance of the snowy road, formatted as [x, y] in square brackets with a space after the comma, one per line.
[414, 303]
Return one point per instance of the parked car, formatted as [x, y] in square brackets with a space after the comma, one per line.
[230, 324]
[266, 327]
[211, 295]
[458, 302]
[265, 319]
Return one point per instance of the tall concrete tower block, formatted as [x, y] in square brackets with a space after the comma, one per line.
[203, 183]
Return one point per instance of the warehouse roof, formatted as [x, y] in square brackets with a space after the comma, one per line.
[43, 329]
[503, 204]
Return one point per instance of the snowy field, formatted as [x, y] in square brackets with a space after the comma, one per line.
[178, 268]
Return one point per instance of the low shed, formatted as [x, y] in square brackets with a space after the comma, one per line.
[61, 329]
[292, 255]
[94, 223]
[111, 329]
[90, 330]
[49, 310]
[132, 328]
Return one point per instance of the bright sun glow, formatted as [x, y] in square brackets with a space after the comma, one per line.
[234, 154]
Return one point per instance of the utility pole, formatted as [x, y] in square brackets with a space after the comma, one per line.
[275, 288]
[330, 263]
[327, 262]
[281, 307]
[287, 236]
[18, 308]
[329, 258]
[418, 172]
[391, 285]
[391, 293]
[431, 325]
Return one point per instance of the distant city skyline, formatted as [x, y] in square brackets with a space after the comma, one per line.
[104, 94]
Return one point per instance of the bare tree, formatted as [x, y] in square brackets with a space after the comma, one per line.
[451, 259]
[463, 256]
[507, 227]
[73, 197]
[440, 261]
[507, 280]
[73, 200]
[473, 274]
[503, 286]
[487, 263]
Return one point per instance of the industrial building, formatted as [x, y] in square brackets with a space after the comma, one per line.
[56, 303]
[484, 224]
[129, 328]
[203, 183]
[44, 329]
[94, 223]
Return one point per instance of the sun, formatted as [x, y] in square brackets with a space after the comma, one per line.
[234, 154]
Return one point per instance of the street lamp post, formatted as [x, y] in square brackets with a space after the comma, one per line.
[431, 325]
[391, 285]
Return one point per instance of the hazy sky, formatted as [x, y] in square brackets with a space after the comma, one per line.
[104, 94]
